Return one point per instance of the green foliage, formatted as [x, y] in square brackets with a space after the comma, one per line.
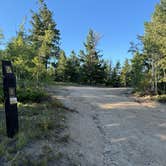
[154, 43]
[31, 52]
[2, 149]
[38, 122]
[61, 67]
[1, 96]
[126, 74]
[137, 67]
[107, 73]
[38, 71]
[32, 94]
[1, 36]
[92, 66]
[116, 75]
[73, 68]
[44, 34]
[20, 52]
[160, 98]
[22, 140]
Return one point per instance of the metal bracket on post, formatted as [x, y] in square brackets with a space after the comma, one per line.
[9, 87]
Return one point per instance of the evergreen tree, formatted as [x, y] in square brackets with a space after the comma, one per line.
[44, 34]
[154, 42]
[1, 52]
[1, 36]
[126, 74]
[60, 70]
[137, 66]
[107, 72]
[115, 75]
[91, 62]
[73, 68]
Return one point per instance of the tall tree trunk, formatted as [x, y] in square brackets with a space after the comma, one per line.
[164, 81]
[155, 79]
[152, 76]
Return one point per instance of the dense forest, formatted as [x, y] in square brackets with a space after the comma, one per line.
[37, 56]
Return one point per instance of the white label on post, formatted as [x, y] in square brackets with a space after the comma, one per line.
[13, 100]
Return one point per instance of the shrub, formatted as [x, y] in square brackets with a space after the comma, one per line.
[21, 140]
[1, 96]
[161, 98]
[31, 95]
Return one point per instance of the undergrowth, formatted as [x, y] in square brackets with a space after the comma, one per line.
[37, 122]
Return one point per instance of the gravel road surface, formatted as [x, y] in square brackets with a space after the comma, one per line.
[108, 127]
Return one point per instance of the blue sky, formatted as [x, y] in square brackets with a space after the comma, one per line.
[118, 22]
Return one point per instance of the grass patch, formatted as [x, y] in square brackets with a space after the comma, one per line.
[37, 122]
[22, 140]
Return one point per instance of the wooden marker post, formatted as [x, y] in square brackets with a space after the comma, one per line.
[9, 87]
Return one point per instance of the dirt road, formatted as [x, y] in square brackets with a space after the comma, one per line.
[109, 128]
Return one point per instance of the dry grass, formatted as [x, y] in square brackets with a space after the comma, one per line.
[40, 128]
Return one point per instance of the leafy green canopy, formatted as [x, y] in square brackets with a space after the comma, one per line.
[44, 33]
[154, 42]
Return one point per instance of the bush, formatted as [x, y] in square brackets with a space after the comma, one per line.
[161, 98]
[31, 95]
[1, 96]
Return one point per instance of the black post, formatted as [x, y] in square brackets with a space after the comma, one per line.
[9, 87]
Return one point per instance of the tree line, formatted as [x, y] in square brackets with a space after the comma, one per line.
[149, 60]
[31, 49]
[36, 55]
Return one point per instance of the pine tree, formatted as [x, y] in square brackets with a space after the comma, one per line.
[107, 73]
[154, 42]
[44, 34]
[1, 36]
[137, 66]
[126, 74]
[60, 70]
[73, 68]
[1, 52]
[91, 62]
[115, 75]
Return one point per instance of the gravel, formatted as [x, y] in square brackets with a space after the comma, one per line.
[110, 128]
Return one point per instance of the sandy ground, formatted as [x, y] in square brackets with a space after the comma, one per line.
[109, 128]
